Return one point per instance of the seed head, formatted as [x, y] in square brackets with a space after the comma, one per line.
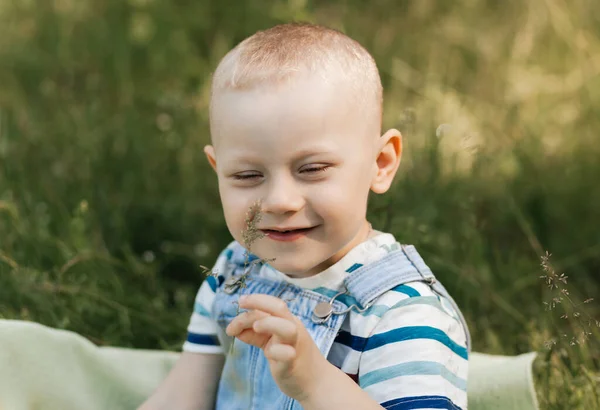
[251, 233]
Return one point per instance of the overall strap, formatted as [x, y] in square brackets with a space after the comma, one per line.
[399, 267]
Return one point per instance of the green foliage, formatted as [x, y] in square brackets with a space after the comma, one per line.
[108, 206]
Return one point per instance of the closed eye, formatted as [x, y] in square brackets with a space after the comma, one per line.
[243, 177]
[311, 170]
[316, 169]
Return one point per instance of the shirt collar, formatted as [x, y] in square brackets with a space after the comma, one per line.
[364, 253]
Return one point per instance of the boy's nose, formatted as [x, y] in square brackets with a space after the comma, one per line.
[282, 197]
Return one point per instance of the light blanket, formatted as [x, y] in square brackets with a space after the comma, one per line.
[48, 369]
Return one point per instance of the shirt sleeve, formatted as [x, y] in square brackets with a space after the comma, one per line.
[416, 357]
[202, 331]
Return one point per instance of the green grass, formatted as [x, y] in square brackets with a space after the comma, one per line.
[108, 206]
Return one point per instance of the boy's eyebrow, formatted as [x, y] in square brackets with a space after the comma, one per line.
[308, 152]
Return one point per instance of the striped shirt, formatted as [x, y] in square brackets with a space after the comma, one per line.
[407, 351]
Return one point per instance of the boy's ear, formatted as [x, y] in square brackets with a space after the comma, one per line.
[209, 150]
[388, 160]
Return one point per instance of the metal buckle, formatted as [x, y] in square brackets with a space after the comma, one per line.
[324, 310]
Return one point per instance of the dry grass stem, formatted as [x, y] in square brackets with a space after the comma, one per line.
[557, 284]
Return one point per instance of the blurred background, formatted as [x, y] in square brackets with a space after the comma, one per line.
[108, 205]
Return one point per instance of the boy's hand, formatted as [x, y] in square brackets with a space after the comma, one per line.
[294, 358]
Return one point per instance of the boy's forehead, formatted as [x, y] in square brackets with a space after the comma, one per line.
[302, 105]
[305, 90]
[311, 115]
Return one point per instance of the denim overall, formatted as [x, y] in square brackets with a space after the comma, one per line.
[246, 381]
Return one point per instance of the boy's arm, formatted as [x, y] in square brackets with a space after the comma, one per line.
[415, 357]
[193, 381]
[191, 384]
[335, 390]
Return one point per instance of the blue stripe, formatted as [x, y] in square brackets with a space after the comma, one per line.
[203, 339]
[212, 281]
[354, 342]
[380, 310]
[407, 290]
[412, 369]
[421, 300]
[201, 310]
[415, 332]
[363, 344]
[354, 267]
[345, 299]
[228, 253]
[215, 282]
[420, 402]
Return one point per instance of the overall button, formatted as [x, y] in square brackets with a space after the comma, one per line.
[323, 310]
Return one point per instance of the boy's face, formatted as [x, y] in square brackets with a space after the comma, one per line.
[308, 153]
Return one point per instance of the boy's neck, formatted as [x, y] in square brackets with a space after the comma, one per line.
[372, 233]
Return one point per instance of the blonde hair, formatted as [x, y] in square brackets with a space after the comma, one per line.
[275, 56]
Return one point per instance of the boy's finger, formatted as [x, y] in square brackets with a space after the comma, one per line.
[280, 352]
[266, 303]
[285, 330]
[244, 321]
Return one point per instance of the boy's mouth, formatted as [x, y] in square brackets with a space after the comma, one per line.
[286, 230]
[286, 234]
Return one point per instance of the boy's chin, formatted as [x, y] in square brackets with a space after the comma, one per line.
[286, 269]
[291, 270]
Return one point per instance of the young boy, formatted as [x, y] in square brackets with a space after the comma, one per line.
[344, 317]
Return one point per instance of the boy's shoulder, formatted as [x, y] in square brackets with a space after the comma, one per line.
[415, 299]
[232, 257]
[416, 293]
[412, 309]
